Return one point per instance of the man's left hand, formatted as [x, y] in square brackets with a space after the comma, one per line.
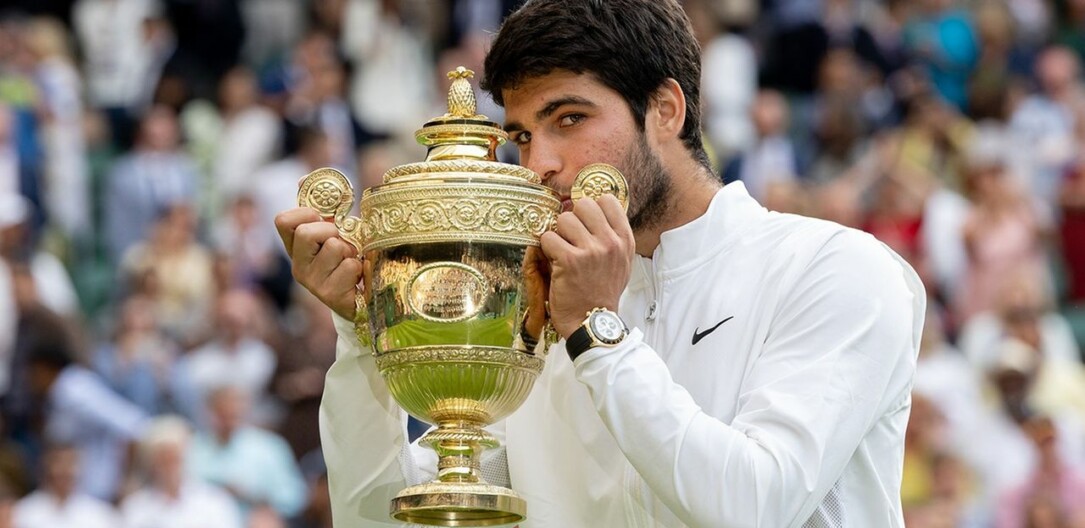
[591, 256]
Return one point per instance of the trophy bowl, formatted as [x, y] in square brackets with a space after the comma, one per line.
[454, 303]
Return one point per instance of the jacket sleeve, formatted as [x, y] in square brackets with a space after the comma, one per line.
[839, 354]
[363, 434]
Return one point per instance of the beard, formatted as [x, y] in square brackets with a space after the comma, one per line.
[649, 185]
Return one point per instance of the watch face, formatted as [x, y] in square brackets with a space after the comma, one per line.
[607, 327]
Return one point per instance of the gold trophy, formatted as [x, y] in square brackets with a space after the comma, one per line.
[454, 304]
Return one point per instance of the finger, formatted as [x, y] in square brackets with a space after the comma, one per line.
[554, 246]
[348, 274]
[309, 239]
[572, 229]
[616, 216]
[331, 255]
[288, 221]
[589, 213]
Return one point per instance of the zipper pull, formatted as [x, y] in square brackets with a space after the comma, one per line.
[651, 315]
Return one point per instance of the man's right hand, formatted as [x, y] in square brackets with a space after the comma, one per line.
[321, 261]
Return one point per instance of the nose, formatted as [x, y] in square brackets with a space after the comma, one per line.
[544, 159]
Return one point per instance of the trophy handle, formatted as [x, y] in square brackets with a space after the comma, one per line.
[598, 179]
[329, 192]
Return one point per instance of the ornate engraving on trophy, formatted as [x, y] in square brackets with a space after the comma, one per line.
[597, 179]
[447, 292]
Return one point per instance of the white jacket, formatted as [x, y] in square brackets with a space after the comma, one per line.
[791, 413]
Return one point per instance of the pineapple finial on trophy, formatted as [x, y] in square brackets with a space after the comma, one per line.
[462, 133]
[461, 98]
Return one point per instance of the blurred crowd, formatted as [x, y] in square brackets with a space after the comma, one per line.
[158, 365]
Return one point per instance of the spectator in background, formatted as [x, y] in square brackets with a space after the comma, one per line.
[250, 137]
[393, 67]
[52, 282]
[840, 120]
[246, 241]
[726, 54]
[142, 364]
[943, 40]
[1022, 309]
[1004, 458]
[1043, 124]
[170, 498]
[1052, 496]
[235, 355]
[116, 61]
[254, 465]
[60, 503]
[146, 181]
[320, 103]
[1003, 233]
[933, 141]
[66, 172]
[772, 156]
[182, 272]
[1000, 61]
[1072, 229]
[897, 214]
[83, 412]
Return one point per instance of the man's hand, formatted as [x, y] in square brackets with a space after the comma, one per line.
[591, 256]
[324, 263]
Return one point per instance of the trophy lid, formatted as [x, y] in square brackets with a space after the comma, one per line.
[460, 141]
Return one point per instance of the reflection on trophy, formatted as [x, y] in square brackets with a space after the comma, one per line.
[454, 298]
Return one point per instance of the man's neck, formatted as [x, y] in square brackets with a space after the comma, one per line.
[692, 189]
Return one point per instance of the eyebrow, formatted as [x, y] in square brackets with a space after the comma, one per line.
[550, 108]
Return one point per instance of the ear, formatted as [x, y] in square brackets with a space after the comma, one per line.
[667, 110]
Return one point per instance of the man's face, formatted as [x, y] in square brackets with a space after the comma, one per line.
[564, 121]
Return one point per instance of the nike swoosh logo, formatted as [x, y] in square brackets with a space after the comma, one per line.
[697, 336]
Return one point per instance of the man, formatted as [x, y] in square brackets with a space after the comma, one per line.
[256, 466]
[765, 381]
[59, 503]
[171, 498]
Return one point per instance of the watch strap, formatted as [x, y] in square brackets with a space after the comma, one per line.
[578, 342]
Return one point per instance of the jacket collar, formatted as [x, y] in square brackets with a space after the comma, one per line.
[688, 246]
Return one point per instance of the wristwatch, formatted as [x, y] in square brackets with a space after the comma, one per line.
[602, 328]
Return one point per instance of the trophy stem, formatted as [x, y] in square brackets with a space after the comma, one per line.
[459, 496]
[459, 445]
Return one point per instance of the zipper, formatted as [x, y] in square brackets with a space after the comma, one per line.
[641, 511]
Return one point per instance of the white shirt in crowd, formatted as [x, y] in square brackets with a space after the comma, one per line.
[766, 382]
[249, 141]
[247, 366]
[198, 506]
[43, 510]
[115, 60]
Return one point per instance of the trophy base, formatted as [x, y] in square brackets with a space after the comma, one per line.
[458, 504]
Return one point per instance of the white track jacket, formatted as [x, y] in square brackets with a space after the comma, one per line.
[765, 383]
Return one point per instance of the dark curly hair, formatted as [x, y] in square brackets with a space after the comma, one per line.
[631, 46]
